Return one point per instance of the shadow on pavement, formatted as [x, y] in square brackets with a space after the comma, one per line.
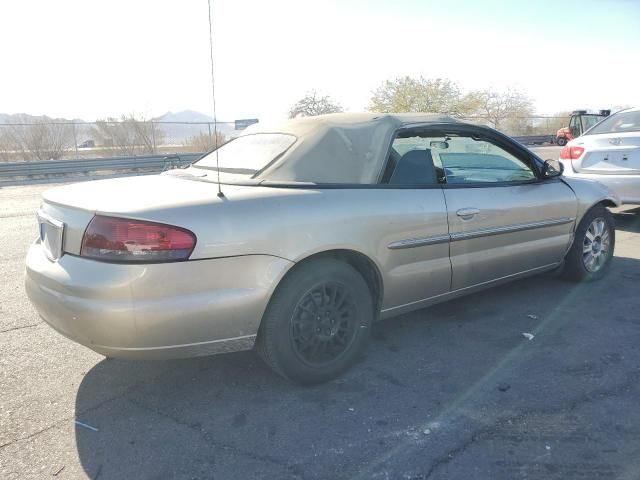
[458, 377]
[628, 220]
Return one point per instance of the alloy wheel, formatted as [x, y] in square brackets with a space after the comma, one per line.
[596, 245]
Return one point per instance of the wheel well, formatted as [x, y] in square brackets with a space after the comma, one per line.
[607, 203]
[363, 265]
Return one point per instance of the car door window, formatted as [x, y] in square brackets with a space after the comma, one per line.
[466, 160]
[411, 163]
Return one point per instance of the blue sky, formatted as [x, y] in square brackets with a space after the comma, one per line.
[75, 58]
[620, 18]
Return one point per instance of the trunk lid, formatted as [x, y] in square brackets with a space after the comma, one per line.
[134, 195]
[153, 197]
[609, 154]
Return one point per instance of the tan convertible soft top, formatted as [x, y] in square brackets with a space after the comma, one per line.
[339, 147]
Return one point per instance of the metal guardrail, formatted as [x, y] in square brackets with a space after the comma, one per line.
[88, 165]
[535, 139]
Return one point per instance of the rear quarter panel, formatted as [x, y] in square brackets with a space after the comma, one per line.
[294, 223]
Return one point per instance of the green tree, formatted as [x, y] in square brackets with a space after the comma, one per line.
[313, 104]
[408, 94]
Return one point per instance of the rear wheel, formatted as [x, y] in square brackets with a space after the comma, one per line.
[592, 249]
[317, 323]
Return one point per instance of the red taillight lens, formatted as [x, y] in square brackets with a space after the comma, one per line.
[571, 153]
[123, 240]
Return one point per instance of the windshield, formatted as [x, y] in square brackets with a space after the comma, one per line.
[247, 154]
[620, 122]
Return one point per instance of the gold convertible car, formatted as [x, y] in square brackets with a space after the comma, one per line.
[295, 236]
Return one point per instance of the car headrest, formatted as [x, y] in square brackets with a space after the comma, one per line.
[415, 168]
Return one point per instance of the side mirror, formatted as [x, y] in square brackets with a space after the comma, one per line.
[552, 168]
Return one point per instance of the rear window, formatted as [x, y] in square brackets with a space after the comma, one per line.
[248, 154]
[618, 123]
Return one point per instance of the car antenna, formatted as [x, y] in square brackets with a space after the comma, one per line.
[213, 97]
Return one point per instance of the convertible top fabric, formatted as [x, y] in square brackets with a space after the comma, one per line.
[337, 148]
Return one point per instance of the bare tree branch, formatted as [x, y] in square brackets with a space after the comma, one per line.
[127, 135]
[42, 139]
[311, 105]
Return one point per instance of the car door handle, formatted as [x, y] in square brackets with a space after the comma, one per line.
[467, 213]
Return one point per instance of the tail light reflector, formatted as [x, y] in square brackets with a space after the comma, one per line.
[123, 240]
[571, 153]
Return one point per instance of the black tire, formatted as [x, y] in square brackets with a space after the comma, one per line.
[577, 260]
[561, 141]
[307, 348]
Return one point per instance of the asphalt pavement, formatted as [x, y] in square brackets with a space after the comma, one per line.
[450, 392]
[547, 152]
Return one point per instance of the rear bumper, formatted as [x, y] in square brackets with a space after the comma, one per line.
[626, 187]
[154, 311]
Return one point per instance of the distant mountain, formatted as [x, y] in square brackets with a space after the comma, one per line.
[82, 132]
[176, 132]
[184, 116]
[188, 124]
[26, 118]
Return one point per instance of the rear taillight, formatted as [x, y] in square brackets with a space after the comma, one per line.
[571, 153]
[122, 240]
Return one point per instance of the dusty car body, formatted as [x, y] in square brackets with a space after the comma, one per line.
[339, 188]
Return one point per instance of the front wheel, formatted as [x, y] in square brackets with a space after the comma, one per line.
[592, 250]
[317, 323]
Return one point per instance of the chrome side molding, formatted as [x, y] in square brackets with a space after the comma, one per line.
[483, 232]
[520, 227]
[419, 242]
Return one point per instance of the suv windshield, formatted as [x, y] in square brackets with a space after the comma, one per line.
[247, 154]
[620, 122]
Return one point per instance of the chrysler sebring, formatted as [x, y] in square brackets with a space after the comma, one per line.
[295, 236]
